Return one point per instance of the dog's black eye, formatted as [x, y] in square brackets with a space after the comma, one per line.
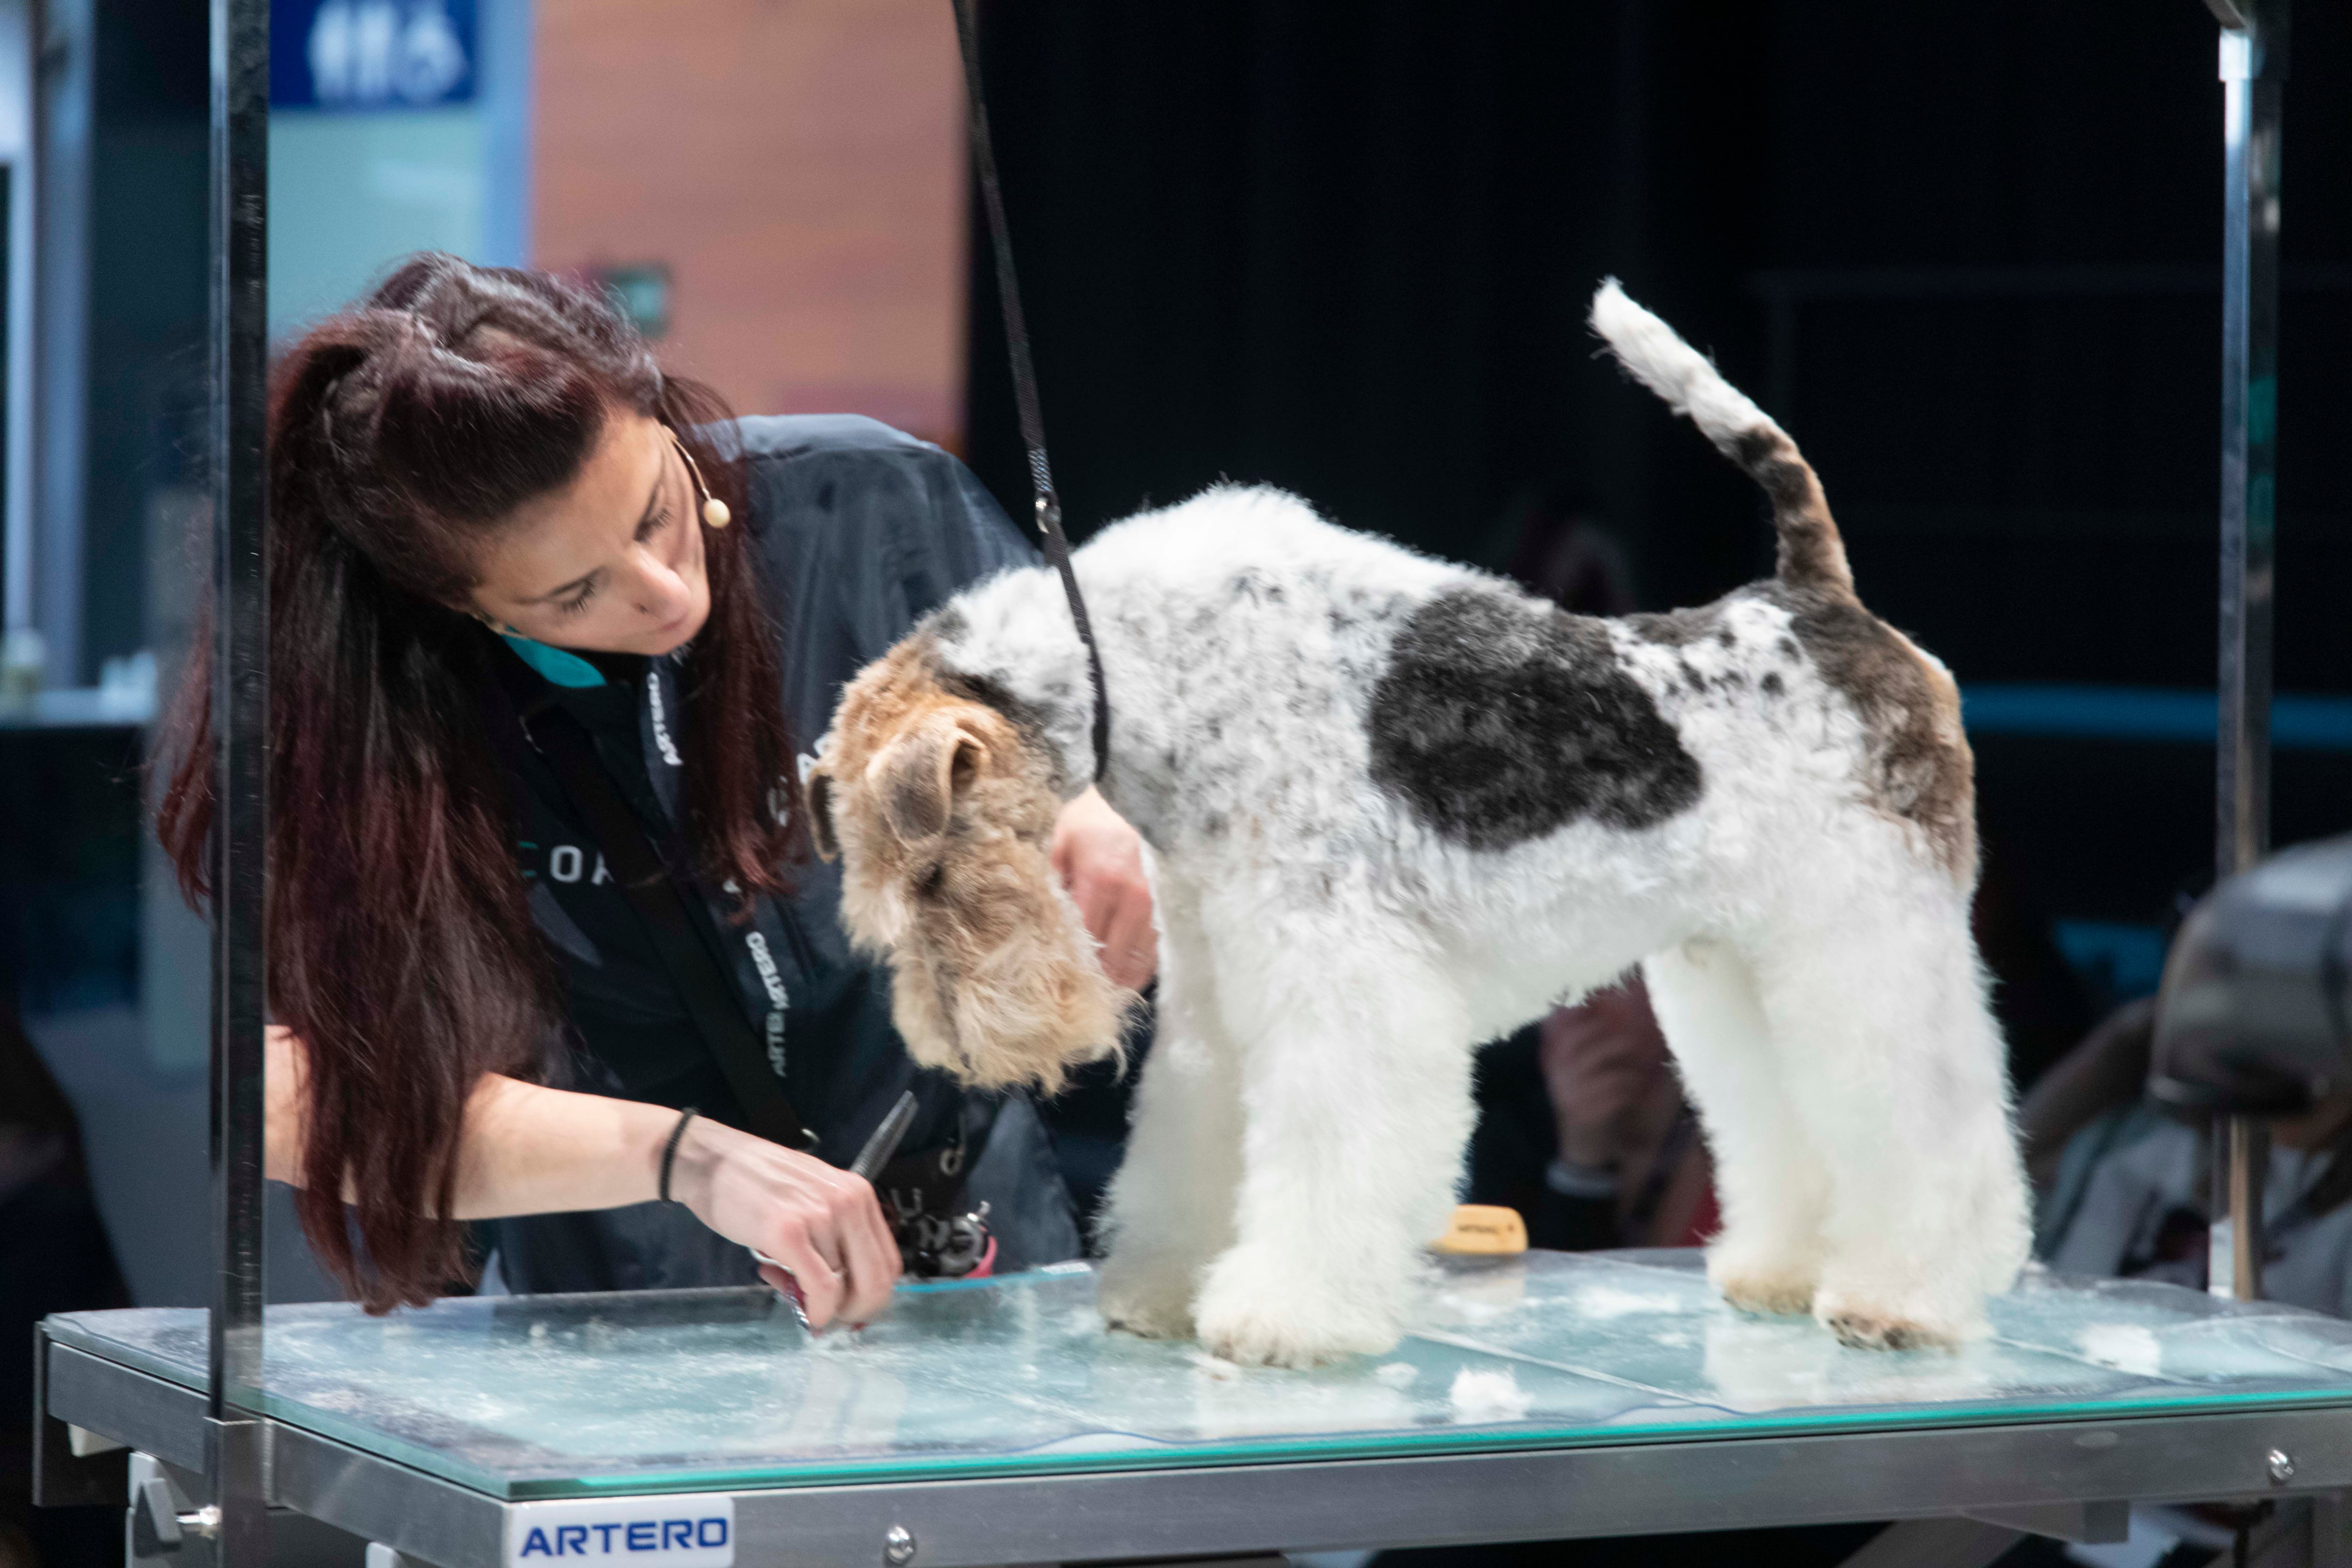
[933, 879]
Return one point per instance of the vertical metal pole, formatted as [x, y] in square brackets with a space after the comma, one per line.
[240, 695]
[2254, 72]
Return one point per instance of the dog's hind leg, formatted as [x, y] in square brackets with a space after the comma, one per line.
[1356, 1095]
[1878, 1008]
[1171, 1206]
[1774, 1193]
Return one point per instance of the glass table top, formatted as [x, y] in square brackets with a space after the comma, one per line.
[582, 1395]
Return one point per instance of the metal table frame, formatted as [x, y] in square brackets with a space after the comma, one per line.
[2070, 1478]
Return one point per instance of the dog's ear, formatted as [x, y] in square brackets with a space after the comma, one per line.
[918, 773]
[818, 791]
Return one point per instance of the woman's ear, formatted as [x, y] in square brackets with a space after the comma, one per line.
[475, 613]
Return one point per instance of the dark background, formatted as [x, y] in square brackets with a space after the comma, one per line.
[1970, 255]
[146, 245]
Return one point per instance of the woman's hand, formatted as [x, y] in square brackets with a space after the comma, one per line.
[1602, 1061]
[1100, 860]
[822, 1226]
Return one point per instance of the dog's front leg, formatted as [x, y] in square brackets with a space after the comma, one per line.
[1355, 1094]
[1171, 1204]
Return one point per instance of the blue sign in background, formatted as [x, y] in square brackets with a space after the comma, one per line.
[372, 55]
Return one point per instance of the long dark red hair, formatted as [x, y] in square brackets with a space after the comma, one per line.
[401, 949]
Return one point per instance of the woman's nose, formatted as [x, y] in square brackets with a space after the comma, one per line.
[661, 592]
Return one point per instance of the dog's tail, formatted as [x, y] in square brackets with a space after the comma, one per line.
[1811, 553]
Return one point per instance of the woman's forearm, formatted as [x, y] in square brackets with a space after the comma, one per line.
[532, 1150]
[522, 1149]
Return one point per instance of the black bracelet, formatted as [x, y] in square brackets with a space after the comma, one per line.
[669, 1149]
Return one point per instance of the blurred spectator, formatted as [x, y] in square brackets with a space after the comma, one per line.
[2039, 998]
[54, 1258]
[1582, 1128]
[2125, 1186]
[1632, 1169]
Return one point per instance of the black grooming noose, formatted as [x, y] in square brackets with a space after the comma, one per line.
[1024, 374]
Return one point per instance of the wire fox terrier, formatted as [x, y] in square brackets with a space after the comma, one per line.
[1396, 807]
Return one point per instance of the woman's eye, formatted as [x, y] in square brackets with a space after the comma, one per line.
[578, 602]
[653, 524]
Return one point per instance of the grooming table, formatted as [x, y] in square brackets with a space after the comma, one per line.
[996, 1423]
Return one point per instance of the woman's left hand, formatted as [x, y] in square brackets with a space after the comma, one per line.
[1100, 859]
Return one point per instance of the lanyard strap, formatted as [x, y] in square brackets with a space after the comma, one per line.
[661, 907]
[1024, 374]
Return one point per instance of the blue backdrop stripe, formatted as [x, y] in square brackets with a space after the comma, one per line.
[2307, 724]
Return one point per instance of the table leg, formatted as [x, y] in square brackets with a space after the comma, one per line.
[2313, 1533]
[1937, 1543]
[2331, 1531]
[144, 1469]
[2086, 1523]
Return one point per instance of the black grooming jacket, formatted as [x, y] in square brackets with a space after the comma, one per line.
[858, 531]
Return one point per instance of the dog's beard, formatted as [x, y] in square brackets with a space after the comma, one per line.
[997, 982]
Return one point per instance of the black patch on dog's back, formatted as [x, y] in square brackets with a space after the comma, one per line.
[1501, 719]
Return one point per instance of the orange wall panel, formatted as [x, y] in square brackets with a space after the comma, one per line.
[797, 164]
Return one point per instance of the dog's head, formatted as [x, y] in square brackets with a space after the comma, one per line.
[941, 811]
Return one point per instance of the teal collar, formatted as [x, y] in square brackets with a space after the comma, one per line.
[554, 665]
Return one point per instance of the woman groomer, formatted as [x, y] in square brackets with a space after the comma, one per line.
[538, 614]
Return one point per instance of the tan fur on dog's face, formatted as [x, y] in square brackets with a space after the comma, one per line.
[943, 813]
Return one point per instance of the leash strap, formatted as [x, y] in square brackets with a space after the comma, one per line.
[717, 1016]
[1024, 374]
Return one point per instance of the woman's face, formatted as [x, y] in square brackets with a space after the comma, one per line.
[611, 563]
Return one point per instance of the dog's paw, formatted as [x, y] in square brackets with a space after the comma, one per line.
[1153, 1307]
[1890, 1323]
[1276, 1334]
[1770, 1286]
[1255, 1313]
[1769, 1293]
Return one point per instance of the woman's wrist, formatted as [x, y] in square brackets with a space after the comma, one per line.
[669, 1152]
[1572, 1179]
[694, 1166]
[658, 1132]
